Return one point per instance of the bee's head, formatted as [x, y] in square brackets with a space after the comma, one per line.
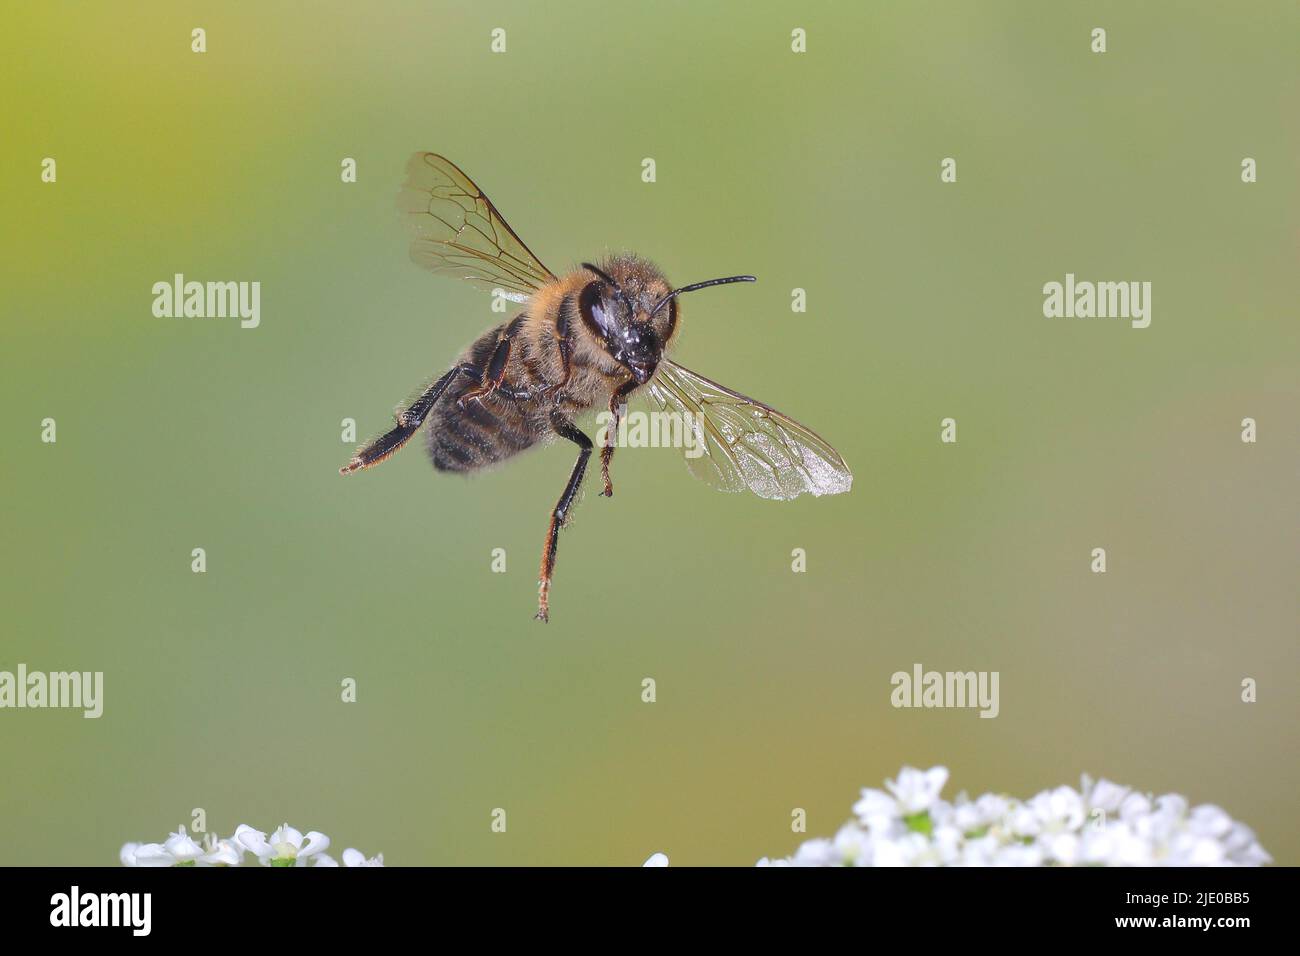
[632, 310]
[616, 305]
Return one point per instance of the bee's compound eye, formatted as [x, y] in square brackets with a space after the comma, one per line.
[591, 304]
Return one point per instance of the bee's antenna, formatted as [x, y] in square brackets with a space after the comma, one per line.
[698, 285]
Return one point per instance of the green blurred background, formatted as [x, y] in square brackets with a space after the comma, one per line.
[818, 171]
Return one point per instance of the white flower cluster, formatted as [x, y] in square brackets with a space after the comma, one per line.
[1100, 824]
[286, 847]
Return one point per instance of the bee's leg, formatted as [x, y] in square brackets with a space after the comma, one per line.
[408, 422]
[564, 345]
[616, 402]
[493, 377]
[566, 429]
[519, 394]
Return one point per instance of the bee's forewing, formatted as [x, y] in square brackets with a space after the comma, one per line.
[457, 231]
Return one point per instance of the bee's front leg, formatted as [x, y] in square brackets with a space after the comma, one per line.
[617, 402]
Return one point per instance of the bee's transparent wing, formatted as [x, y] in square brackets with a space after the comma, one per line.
[457, 231]
[743, 445]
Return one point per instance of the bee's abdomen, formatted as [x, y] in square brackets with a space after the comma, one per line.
[483, 432]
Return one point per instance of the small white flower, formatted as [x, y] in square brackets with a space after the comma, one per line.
[1062, 848]
[1114, 844]
[656, 859]
[816, 853]
[221, 852]
[1101, 823]
[286, 847]
[915, 791]
[876, 809]
[1208, 820]
[1134, 807]
[907, 850]
[351, 857]
[182, 847]
[1021, 821]
[1102, 795]
[178, 850]
[981, 851]
[853, 846]
[1242, 849]
[977, 816]
[1059, 809]
[1187, 849]
[947, 843]
[144, 854]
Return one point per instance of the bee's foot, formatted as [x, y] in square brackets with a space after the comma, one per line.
[354, 465]
[542, 615]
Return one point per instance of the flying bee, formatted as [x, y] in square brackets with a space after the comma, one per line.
[590, 338]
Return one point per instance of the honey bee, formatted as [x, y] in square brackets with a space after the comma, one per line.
[592, 337]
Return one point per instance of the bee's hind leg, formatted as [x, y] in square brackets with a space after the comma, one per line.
[408, 422]
[566, 429]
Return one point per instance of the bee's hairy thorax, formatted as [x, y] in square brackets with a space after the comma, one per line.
[489, 430]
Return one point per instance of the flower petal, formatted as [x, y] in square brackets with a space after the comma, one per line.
[254, 841]
[316, 843]
[287, 835]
